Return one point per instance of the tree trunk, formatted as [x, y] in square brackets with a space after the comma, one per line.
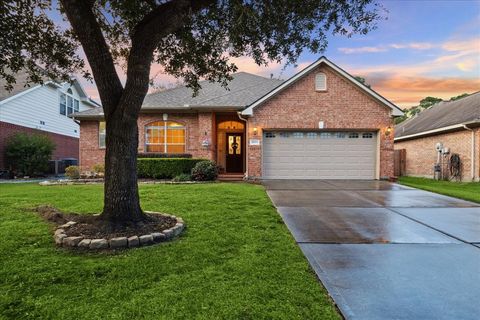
[121, 199]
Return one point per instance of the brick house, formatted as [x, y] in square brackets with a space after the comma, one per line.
[43, 109]
[454, 124]
[321, 123]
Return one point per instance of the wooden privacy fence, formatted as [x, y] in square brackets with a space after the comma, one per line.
[400, 157]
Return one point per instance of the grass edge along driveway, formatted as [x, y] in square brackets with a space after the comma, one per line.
[463, 190]
[236, 260]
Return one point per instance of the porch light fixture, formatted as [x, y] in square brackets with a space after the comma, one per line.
[388, 131]
[255, 130]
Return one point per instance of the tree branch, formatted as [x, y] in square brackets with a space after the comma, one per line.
[160, 22]
[89, 33]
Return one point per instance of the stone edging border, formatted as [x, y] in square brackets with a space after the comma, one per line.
[62, 240]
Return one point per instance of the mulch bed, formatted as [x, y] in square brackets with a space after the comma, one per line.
[90, 226]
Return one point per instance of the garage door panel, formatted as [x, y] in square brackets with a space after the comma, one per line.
[317, 157]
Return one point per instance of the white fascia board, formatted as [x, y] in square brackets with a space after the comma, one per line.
[396, 111]
[424, 133]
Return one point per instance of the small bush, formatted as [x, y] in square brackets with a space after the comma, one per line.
[73, 172]
[165, 168]
[99, 168]
[205, 171]
[28, 154]
[182, 177]
[164, 155]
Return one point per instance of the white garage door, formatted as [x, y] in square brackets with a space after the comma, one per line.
[319, 155]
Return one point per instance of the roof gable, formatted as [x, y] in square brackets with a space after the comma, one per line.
[396, 111]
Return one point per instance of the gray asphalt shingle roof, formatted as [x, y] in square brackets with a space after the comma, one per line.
[442, 114]
[243, 90]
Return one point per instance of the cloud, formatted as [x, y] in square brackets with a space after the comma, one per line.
[385, 48]
[413, 45]
[362, 50]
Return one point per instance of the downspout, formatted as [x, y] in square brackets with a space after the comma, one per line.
[239, 114]
[472, 157]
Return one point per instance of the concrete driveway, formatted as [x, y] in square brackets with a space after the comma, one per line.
[385, 251]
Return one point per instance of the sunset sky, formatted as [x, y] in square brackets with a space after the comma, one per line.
[424, 48]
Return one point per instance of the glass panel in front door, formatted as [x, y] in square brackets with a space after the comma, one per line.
[234, 145]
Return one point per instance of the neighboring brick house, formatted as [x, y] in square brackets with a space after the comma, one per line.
[455, 124]
[321, 123]
[43, 109]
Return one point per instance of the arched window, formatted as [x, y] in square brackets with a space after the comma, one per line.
[165, 137]
[230, 125]
[320, 82]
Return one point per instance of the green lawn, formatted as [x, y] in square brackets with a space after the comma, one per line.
[463, 190]
[236, 260]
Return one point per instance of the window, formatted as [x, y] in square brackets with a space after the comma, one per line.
[311, 135]
[165, 137]
[230, 125]
[68, 104]
[353, 135]
[102, 133]
[269, 135]
[63, 104]
[367, 135]
[320, 82]
[298, 135]
[325, 135]
[285, 134]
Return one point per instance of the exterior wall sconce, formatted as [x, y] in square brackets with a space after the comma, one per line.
[255, 131]
[165, 116]
[388, 131]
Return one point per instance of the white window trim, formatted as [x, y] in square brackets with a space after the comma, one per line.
[165, 130]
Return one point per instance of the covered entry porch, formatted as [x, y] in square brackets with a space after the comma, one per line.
[230, 148]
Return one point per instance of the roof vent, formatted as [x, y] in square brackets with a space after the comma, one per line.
[320, 82]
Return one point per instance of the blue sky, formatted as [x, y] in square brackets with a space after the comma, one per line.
[423, 48]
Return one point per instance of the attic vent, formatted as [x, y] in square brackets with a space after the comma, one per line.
[320, 82]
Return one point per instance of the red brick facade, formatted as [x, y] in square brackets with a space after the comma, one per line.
[196, 125]
[421, 155]
[66, 147]
[342, 106]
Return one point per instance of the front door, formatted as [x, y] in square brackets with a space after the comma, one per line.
[234, 156]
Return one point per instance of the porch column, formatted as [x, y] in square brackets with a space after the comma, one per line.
[206, 135]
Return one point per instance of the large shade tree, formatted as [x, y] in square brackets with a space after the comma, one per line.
[190, 39]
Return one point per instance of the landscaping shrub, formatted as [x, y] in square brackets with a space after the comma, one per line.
[72, 172]
[28, 154]
[165, 168]
[182, 177]
[99, 169]
[164, 155]
[205, 171]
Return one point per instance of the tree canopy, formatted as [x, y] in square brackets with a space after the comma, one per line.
[190, 39]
